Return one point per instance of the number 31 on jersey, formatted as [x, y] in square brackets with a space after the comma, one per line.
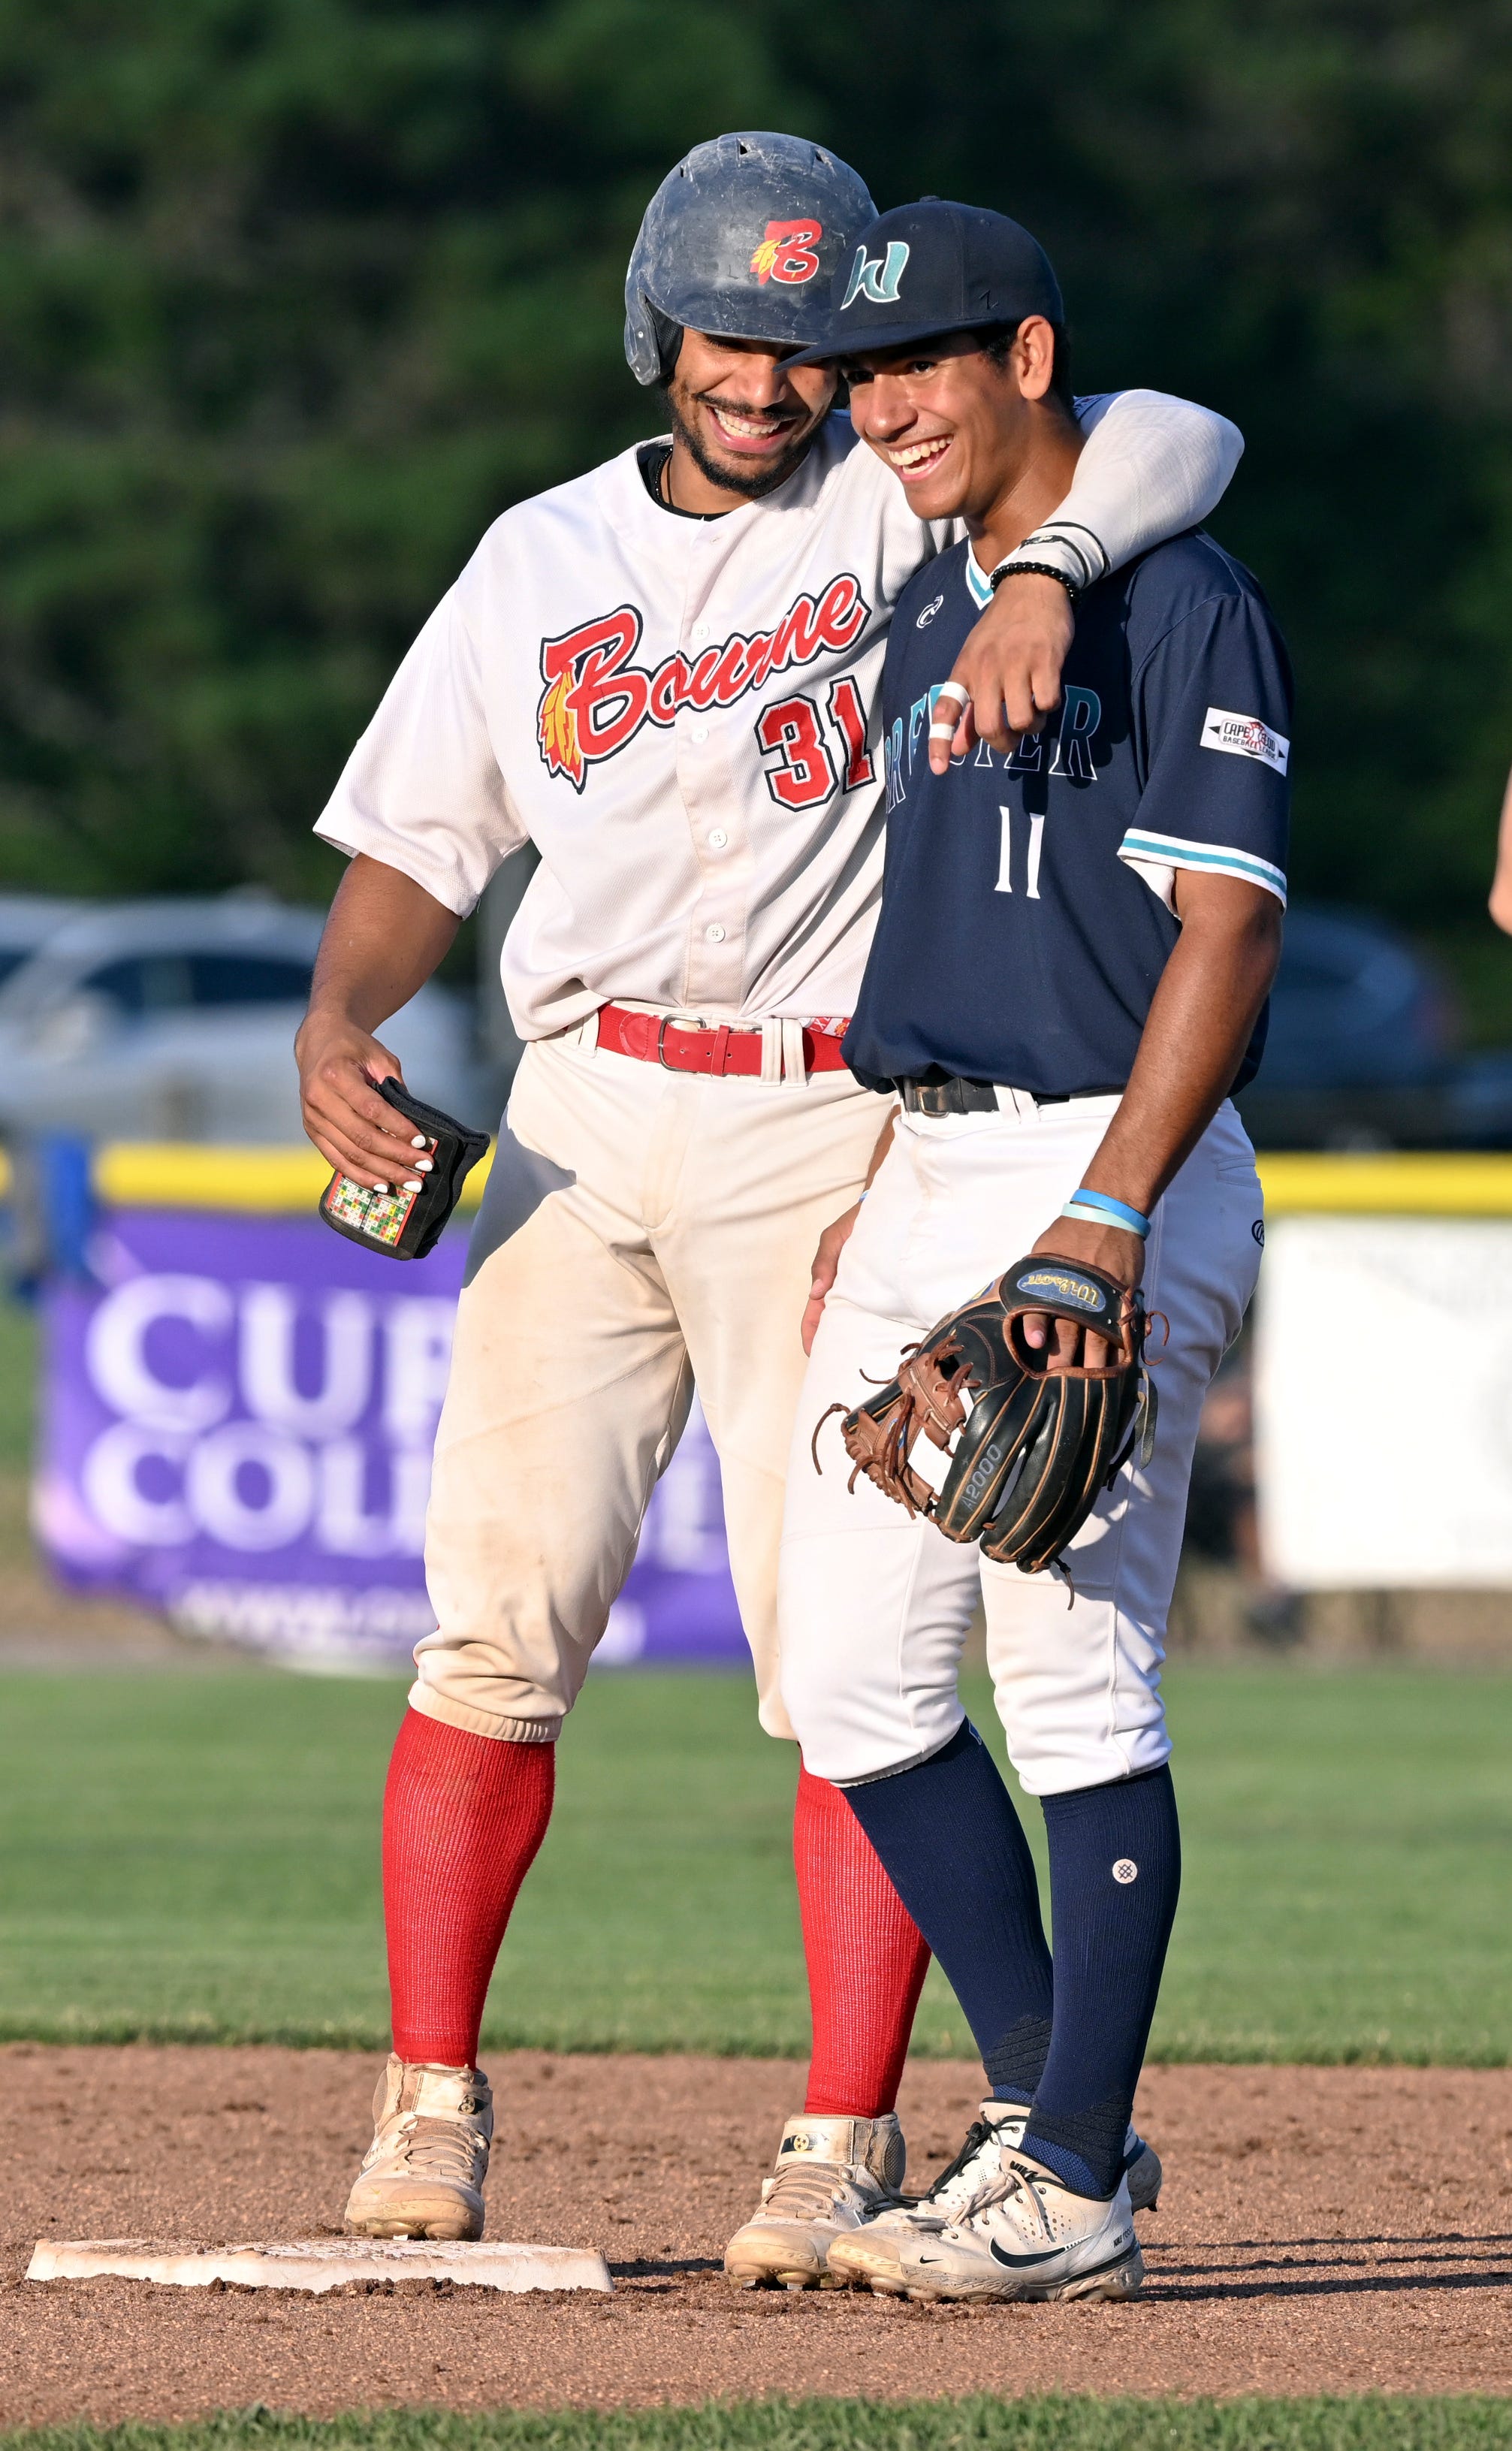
[809, 752]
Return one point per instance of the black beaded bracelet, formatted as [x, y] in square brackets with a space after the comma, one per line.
[1034, 569]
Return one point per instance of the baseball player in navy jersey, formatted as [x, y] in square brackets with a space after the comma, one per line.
[664, 674]
[1067, 977]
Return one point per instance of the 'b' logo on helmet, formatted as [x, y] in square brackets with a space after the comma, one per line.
[876, 276]
[786, 252]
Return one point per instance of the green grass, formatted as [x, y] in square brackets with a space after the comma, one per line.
[1049, 2423]
[1346, 1843]
[197, 1857]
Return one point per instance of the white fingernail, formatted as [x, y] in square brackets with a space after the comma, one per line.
[419, 1141]
[380, 1186]
[422, 1166]
[415, 1186]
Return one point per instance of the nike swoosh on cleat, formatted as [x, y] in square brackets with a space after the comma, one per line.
[1014, 2262]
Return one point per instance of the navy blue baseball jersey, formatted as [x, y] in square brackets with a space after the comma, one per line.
[1028, 902]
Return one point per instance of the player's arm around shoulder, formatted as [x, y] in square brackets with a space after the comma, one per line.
[1150, 467]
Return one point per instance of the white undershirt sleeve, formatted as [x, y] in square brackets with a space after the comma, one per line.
[1152, 466]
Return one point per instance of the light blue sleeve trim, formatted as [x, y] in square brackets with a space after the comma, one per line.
[1169, 852]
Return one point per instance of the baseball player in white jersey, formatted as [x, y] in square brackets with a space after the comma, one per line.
[663, 675]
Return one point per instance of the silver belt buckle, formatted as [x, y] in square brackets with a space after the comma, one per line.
[669, 1021]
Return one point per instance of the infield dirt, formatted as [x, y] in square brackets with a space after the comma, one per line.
[1322, 2230]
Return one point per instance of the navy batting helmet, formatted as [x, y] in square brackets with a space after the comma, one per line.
[742, 238]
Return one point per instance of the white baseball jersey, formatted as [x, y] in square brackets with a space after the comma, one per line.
[682, 716]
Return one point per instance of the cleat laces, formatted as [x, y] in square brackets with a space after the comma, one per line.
[436, 2148]
[1016, 2188]
[808, 2191]
[973, 2173]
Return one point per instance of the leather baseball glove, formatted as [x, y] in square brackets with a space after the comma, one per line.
[408, 1224]
[1031, 1447]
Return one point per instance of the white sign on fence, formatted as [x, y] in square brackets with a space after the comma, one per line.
[1384, 1402]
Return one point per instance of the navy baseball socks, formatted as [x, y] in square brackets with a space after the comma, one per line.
[1069, 2047]
[1114, 1877]
[948, 1834]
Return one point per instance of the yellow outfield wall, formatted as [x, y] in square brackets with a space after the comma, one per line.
[207, 1175]
[282, 1181]
[1388, 1183]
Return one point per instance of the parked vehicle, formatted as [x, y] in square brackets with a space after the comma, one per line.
[174, 1020]
[1481, 1104]
[27, 920]
[1362, 1047]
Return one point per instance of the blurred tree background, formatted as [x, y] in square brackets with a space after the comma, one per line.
[296, 295]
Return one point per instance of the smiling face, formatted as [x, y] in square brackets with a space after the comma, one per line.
[743, 416]
[956, 429]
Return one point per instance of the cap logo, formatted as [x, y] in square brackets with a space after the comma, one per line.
[876, 276]
[787, 252]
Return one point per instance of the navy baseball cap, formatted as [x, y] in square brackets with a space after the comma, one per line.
[933, 268]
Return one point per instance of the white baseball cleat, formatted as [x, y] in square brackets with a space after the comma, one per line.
[1024, 2235]
[994, 2138]
[423, 2174]
[1142, 2164]
[831, 2175]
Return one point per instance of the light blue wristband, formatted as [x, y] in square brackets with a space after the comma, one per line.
[1099, 1208]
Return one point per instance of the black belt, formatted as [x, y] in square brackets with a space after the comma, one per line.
[954, 1096]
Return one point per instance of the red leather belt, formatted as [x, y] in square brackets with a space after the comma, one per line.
[651, 1038]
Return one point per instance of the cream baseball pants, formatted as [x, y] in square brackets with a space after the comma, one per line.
[641, 1229]
[875, 1607]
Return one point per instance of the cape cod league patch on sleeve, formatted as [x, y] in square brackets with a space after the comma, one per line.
[1245, 735]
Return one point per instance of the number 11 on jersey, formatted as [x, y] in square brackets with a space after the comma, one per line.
[1005, 856]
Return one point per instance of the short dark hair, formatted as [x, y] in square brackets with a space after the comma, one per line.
[999, 338]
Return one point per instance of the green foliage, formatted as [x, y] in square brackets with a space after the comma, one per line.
[1050, 2422]
[215, 1875]
[299, 294]
[1300, 212]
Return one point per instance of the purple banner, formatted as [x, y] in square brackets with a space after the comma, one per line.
[238, 1416]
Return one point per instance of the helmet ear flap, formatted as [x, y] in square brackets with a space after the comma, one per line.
[669, 342]
[652, 342]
